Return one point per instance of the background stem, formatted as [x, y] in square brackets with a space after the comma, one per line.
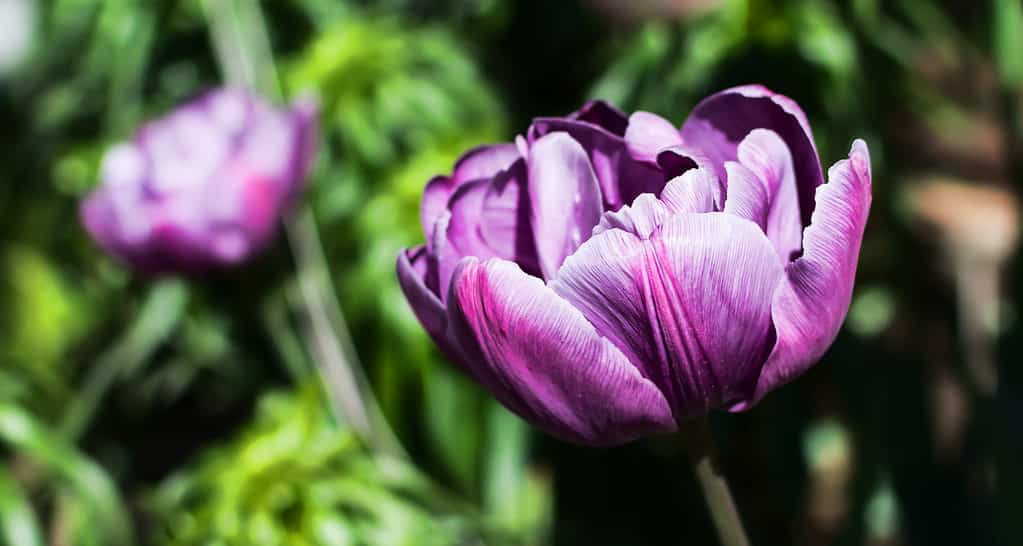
[243, 51]
[703, 456]
[156, 319]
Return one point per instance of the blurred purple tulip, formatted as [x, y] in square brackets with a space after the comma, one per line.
[203, 187]
[606, 277]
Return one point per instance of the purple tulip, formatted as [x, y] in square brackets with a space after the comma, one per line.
[607, 277]
[203, 187]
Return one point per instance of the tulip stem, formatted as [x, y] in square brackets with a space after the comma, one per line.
[703, 456]
[243, 50]
[156, 318]
[347, 390]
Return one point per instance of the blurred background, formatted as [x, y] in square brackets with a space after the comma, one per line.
[179, 412]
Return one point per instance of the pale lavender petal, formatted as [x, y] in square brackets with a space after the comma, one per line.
[720, 122]
[747, 196]
[543, 360]
[435, 201]
[564, 198]
[765, 153]
[696, 190]
[692, 192]
[649, 134]
[679, 160]
[811, 302]
[484, 162]
[642, 218]
[691, 306]
[622, 178]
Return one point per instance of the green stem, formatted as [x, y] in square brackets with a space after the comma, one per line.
[243, 50]
[278, 326]
[156, 319]
[703, 456]
[336, 367]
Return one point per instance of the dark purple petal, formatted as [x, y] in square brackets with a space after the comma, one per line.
[622, 178]
[811, 302]
[720, 122]
[414, 271]
[603, 115]
[690, 307]
[543, 360]
[677, 160]
[564, 199]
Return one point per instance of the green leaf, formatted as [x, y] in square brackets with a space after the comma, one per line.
[73, 470]
[18, 524]
[1008, 35]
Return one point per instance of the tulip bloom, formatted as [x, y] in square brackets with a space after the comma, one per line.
[203, 187]
[607, 277]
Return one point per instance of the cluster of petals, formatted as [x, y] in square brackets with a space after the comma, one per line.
[608, 276]
[203, 187]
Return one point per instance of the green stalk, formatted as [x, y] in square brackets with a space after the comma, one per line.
[703, 456]
[243, 50]
[159, 314]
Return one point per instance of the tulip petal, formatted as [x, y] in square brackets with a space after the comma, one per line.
[564, 198]
[645, 215]
[436, 195]
[622, 178]
[413, 271]
[765, 153]
[603, 115]
[691, 306]
[811, 302]
[481, 162]
[676, 160]
[720, 122]
[487, 218]
[484, 162]
[504, 223]
[692, 192]
[543, 360]
[747, 196]
[648, 134]
[696, 190]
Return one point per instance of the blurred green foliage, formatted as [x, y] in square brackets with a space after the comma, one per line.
[184, 411]
[294, 478]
